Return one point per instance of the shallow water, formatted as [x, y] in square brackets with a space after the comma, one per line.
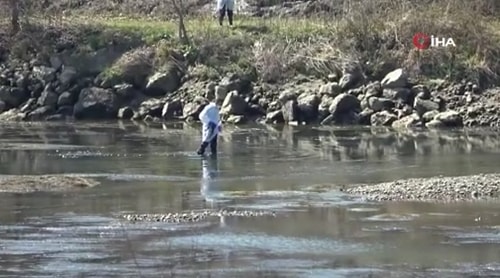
[315, 233]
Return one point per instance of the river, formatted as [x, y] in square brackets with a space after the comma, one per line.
[315, 233]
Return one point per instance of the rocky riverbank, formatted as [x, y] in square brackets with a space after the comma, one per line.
[448, 189]
[44, 183]
[56, 91]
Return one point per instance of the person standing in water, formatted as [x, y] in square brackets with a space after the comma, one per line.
[210, 119]
[225, 7]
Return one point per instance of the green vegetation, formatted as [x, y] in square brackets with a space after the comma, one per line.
[374, 35]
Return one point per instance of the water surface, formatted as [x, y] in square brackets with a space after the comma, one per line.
[316, 233]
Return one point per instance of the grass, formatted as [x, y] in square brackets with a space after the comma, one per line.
[374, 35]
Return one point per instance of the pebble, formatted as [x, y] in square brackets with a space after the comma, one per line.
[461, 188]
[194, 216]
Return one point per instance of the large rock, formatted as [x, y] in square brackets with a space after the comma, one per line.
[395, 79]
[67, 76]
[125, 92]
[344, 103]
[12, 97]
[409, 121]
[44, 74]
[287, 95]
[421, 91]
[332, 89]
[125, 113]
[423, 106]
[378, 104]
[236, 82]
[450, 118]
[171, 109]
[404, 95]
[383, 118]
[162, 83]
[234, 104]
[373, 89]
[324, 106]
[152, 107]
[96, 103]
[65, 98]
[308, 106]
[41, 113]
[48, 98]
[13, 115]
[194, 108]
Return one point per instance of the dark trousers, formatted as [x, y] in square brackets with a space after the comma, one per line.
[212, 143]
[223, 12]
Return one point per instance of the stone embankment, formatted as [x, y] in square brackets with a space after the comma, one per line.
[58, 91]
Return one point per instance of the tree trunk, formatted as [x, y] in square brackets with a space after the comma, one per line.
[14, 15]
[179, 8]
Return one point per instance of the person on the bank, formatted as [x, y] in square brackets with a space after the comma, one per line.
[212, 126]
[225, 7]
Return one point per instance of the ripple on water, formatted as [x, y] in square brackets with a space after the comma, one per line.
[392, 217]
[133, 177]
[37, 147]
[262, 242]
[475, 237]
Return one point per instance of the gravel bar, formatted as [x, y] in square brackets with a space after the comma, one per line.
[448, 189]
[43, 183]
[194, 216]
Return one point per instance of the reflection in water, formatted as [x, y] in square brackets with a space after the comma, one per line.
[152, 169]
[208, 181]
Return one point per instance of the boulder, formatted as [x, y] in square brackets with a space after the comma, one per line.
[48, 98]
[344, 103]
[383, 118]
[395, 79]
[67, 76]
[450, 118]
[96, 103]
[234, 104]
[171, 109]
[152, 107]
[275, 117]
[44, 74]
[332, 89]
[13, 97]
[378, 104]
[423, 106]
[41, 113]
[125, 113]
[409, 121]
[163, 83]
[308, 106]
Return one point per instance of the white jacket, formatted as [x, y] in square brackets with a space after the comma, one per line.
[228, 3]
[210, 114]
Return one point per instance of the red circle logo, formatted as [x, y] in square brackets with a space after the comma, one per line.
[421, 41]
